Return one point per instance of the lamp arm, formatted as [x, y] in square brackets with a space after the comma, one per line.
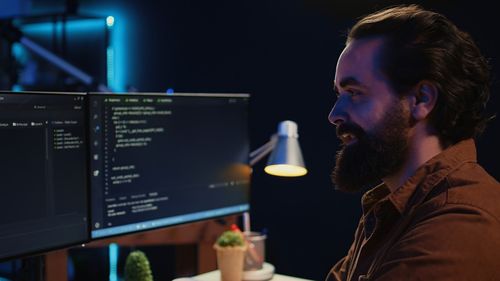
[13, 34]
[261, 152]
[44, 53]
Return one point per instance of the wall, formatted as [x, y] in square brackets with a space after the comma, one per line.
[283, 52]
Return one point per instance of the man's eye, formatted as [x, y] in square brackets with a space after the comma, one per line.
[348, 92]
[353, 92]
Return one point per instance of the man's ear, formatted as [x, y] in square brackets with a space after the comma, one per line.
[423, 100]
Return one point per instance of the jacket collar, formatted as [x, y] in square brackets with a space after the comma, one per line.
[425, 178]
[432, 172]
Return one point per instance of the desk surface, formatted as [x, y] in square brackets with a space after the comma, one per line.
[215, 276]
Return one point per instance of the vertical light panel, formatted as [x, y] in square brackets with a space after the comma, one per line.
[116, 52]
[113, 261]
[110, 55]
[118, 22]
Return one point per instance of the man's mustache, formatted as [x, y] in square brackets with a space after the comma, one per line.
[350, 128]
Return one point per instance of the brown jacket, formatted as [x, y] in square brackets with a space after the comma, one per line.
[443, 223]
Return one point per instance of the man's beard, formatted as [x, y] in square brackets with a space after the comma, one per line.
[375, 154]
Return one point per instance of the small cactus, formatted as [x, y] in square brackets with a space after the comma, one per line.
[230, 238]
[137, 267]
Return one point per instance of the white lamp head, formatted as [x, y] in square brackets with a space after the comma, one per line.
[286, 159]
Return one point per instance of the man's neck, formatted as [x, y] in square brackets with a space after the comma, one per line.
[422, 148]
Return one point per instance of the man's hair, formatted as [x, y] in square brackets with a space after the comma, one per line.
[425, 45]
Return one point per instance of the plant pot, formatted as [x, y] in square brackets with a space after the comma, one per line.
[230, 262]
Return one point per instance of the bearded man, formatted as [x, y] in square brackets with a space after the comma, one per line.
[411, 95]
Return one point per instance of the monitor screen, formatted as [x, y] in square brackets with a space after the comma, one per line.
[159, 160]
[43, 172]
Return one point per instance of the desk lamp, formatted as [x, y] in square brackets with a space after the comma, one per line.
[286, 158]
[285, 161]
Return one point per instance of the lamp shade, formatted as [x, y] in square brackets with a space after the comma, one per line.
[286, 159]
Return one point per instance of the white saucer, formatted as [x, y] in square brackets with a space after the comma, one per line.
[266, 273]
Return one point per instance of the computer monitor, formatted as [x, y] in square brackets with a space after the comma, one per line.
[159, 160]
[43, 172]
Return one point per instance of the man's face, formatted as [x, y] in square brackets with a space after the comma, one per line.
[372, 122]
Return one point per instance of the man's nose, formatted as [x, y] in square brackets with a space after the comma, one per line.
[337, 114]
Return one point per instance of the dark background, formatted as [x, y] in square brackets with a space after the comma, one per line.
[282, 52]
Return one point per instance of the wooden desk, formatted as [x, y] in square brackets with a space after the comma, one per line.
[203, 233]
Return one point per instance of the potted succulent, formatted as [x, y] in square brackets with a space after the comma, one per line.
[137, 267]
[230, 248]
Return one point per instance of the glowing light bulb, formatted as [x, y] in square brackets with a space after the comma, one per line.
[110, 21]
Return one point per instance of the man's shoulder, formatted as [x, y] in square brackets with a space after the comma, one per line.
[471, 184]
[470, 187]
